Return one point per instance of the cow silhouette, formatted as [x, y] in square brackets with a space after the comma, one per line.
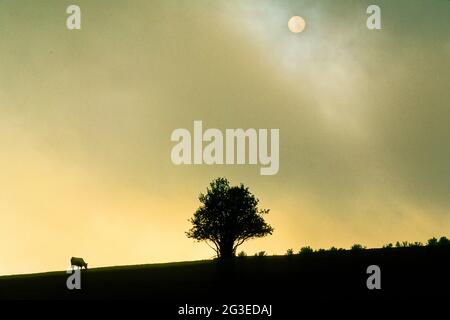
[78, 262]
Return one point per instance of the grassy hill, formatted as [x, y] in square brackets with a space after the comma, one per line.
[406, 273]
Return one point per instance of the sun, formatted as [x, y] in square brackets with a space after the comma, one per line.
[296, 24]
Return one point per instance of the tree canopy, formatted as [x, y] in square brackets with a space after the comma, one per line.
[228, 216]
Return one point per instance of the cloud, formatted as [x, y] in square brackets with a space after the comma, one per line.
[86, 121]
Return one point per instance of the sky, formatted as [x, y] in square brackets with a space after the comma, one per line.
[86, 118]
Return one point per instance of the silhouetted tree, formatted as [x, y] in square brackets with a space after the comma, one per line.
[228, 216]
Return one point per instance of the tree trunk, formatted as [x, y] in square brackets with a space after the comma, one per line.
[226, 250]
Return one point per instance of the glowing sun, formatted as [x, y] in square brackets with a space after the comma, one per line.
[296, 24]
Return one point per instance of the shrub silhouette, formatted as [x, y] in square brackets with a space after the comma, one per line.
[432, 242]
[290, 252]
[416, 244]
[443, 241]
[357, 246]
[305, 250]
[406, 244]
[228, 216]
[261, 254]
[242, 254]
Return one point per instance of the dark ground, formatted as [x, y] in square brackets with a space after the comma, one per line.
[407, 274]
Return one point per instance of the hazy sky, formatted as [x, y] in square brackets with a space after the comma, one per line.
[86, 118]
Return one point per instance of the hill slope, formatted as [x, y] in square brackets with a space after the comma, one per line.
[406, 273]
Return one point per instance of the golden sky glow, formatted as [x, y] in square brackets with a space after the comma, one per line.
[86, 118]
